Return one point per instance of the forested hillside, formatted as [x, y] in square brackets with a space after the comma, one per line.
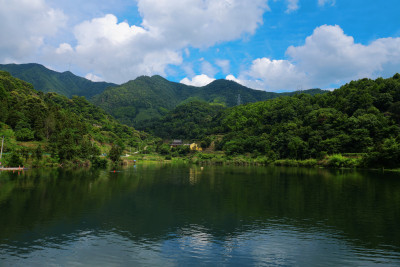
[146, 98]
[67, 128]
[362, 117]
[190, 121]
[140, 100]
[46, 80]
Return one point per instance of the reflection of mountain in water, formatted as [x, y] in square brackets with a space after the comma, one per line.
[160, 202]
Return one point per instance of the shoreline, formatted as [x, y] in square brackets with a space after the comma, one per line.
[14, 169]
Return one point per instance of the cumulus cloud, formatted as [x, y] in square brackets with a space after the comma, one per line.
[202, 23]
[24, 26]
[119, 52]
[231, 77]
[199, 80]
[276, 74]
[328, 57]
[331, 56]
[93, 77]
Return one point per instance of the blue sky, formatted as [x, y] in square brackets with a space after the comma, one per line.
[274, 45]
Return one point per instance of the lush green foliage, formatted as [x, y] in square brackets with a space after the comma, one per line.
[46, 80]
[360, 117]
[192, 120]
[147, 98]
[70, 128]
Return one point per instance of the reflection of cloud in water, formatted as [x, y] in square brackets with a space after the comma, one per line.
[90, 248]
[276, 245]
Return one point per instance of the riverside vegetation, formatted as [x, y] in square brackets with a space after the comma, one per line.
[357, 125]
[50, 130]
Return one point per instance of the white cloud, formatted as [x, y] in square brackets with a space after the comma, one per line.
[277, 74]
[119, 52]
[64, 48]
[292, 5]
[199, 80]
[224, 65]
[230, 77]
[208, 69]
[24, 27]
[324, 2]
[202, 23]
[93, 77]
[328, 57]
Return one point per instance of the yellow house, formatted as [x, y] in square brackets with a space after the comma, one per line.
[195, 147]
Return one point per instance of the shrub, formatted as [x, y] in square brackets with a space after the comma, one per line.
[15, 160]
[98, 162]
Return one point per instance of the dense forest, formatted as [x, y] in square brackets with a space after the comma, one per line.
[356, 125]
[360, 119]
[69, 129]
[142, 99]
[147, 98]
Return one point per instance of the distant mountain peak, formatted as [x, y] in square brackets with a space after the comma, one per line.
[65, 83]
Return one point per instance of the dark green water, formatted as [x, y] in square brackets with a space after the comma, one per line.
[186, 215]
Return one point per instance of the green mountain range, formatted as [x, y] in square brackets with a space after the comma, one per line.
[45, 80]
[142, 99]
[147, 98]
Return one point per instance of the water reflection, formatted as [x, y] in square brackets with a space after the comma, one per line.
[179, 215]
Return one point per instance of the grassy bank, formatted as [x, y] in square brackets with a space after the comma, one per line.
[35, 158]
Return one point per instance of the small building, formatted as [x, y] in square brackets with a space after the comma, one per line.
[176, 143]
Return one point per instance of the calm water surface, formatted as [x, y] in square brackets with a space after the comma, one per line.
[187, 215]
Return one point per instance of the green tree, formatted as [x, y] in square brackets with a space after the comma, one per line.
[38, 153]
[115, 153]
[15, 160]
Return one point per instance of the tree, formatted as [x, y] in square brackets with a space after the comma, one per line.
[15, 160]
[38, 153]
[115, 153]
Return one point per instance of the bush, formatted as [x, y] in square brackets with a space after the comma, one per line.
[15, 160]
[98, 162]
[308, 163]
[388, 155]
[115, 153]
[24, 134]
[286, 163]
[339, 161]
[164, 149]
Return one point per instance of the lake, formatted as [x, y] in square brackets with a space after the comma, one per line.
[182, 215]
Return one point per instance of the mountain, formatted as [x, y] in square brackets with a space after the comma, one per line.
[45, 80]
[68, 128]
[151, 97]
[141, 99]
[360, 117]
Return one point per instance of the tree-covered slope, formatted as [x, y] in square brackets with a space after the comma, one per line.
[46, 80]
[141, 99]
[69, 128]
[147, 98]
[190, 121]
[361, 117]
